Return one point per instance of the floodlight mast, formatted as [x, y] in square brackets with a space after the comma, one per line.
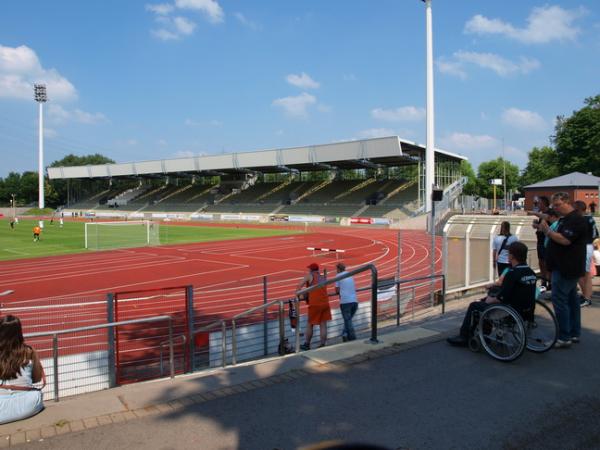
[430, 144]
[41, 98]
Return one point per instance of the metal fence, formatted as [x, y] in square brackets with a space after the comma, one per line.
[71, 373]
[468, 245]
[80, 359]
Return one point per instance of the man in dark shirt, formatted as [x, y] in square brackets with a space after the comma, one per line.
[565, 258]
[517, 290]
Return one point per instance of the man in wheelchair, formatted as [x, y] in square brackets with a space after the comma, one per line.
[517, 290]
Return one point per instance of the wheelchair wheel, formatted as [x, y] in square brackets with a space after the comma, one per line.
[542, 331]
[501, 333]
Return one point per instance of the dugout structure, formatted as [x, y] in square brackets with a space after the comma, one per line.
[110, 235]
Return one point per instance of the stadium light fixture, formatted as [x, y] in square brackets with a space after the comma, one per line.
[41, 98]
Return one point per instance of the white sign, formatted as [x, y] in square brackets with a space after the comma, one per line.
[496, 181]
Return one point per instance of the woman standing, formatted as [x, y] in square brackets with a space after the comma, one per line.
[500, 247]
[20, 368]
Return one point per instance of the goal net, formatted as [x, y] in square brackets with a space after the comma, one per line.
[106, 235]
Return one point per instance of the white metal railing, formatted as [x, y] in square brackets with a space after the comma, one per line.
[56, 334]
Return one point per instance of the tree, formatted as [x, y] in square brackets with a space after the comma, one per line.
[495, 169]
[577, 139]
[466, 170]
[542, 165]
[77, 189]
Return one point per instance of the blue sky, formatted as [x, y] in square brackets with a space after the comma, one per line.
[137, 80]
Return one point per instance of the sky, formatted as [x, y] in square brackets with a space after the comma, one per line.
[139, 80]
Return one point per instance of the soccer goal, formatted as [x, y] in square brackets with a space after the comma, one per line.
[106, 235]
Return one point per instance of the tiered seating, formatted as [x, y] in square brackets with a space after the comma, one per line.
[290, 192]
[95, 200]
[125, 197]
[400, 205]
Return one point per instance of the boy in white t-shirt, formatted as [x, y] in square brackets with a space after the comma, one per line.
[348, 303]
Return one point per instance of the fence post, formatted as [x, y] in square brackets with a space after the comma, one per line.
[265, 318]
[373, 304]
[190, 313]
[112, 365]
[297, 337]
[233, 343]
[55, 363]
[443, 294]
[281, 329]
[397, 304]
[224, 343]
[171, 356]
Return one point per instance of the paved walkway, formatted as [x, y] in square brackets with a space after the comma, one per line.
[410, 391]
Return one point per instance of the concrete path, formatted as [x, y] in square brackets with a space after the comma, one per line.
[412, 391]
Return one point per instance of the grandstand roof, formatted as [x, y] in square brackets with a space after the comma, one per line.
[385, 151]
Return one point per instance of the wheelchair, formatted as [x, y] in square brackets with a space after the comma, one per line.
[505, 335]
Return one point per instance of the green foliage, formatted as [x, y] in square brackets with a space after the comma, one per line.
[495, 169]
[577, 139]
[466, 170]
[542, 165]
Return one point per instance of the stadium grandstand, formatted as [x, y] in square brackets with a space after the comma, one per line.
[380, 177]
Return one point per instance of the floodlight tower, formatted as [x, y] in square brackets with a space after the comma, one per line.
[430, 144]
[40, 97]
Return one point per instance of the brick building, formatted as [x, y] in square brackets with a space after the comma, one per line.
[579, 186]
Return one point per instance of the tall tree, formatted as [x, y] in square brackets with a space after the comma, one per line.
[466, 170]
[495, 169]
[542, 165]
[577, 139]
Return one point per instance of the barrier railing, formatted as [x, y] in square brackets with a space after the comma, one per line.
[56, 334]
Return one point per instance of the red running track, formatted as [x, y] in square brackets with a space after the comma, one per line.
[227, 275]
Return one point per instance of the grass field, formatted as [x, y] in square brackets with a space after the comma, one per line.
[18, 243]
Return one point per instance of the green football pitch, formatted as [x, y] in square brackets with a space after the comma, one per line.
[18, 242]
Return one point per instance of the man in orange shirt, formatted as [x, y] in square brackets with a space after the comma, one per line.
[319, 311]
[36, 233]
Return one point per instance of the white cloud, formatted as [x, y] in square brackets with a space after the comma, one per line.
[402, 114]
[161, 8]
[491, 61]
[20, 68]
[296, 106]
[322, 107]
[466, 141]
[523, 119]
[375, 133]
[247, 22]
[173, 28]
[544, 24]
[50, 133]
[303, 81]
[59, 115]
[210, 8]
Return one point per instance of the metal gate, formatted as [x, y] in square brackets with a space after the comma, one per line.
[142, 350]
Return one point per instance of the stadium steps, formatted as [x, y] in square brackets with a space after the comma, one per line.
[279, 208]
[360, 211]
[205, 191]
[355, 188]
[97, 196]
[274, 190]
[225, 197]
[312, 190]
[397, 191]
[150, 193]
[172, 194]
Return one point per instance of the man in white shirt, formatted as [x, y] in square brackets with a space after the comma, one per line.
[348, 303]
